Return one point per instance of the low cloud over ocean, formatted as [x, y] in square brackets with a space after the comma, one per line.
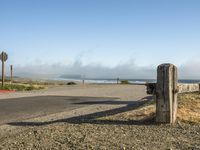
[129, 70]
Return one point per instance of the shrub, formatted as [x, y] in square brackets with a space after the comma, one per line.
[71, 83]
[124, 82]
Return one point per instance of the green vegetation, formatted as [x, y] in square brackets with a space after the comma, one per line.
[71, 83]
[124, 82]
[39, 82]
[21, 87]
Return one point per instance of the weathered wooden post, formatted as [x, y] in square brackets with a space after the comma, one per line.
[11, 73]
[2, 72]
[117, 80]
[199, 88]
[166, 93]
[83, 79]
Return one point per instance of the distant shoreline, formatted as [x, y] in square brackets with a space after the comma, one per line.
[96, 81]
[131, 81]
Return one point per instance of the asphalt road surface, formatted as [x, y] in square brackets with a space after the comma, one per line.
[16, 109]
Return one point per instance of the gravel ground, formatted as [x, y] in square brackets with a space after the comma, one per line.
[100, 126]
[105, 136]
[126, 130]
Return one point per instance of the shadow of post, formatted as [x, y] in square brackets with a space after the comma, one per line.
[93, 118]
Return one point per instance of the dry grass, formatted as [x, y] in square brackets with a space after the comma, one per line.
[188, 110]
[189, 107]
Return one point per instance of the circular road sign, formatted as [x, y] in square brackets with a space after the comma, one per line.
[3, 56]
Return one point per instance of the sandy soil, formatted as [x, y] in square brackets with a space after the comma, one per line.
[109, 125]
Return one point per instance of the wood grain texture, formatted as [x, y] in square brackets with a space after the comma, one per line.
[166, 93]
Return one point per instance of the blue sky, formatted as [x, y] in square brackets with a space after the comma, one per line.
[109, 33]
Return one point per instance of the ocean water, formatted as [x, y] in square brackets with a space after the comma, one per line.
[188, 81]
[132, 81]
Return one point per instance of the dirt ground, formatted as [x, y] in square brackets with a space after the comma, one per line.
[125, 123]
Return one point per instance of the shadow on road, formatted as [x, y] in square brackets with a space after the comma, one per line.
[93, 118]
[18, 109]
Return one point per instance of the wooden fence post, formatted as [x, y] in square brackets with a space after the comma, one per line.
[166, 94]
[199, 88]
[11, 73]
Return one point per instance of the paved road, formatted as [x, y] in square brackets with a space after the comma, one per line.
[22, 105]
[28, 107]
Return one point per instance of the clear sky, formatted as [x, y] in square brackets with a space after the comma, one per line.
[103, 32]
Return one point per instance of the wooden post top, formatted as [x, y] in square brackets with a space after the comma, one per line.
[166, 65]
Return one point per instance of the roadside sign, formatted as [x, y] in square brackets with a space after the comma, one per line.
[3, 56]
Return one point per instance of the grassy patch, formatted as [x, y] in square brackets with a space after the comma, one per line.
[188, 110]
[189, 107]
[21, 87]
